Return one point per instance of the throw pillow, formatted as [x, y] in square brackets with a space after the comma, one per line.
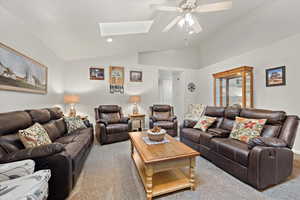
[205, 122]
[74, 123]
[245, 129]
[34, 136]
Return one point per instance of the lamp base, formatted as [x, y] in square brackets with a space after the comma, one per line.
[135, 110]
[72, 112]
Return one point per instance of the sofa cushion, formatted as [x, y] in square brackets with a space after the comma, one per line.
[52, 130]
[55, 113]
[273, 117]
[245, 129]
[205, 138]
[12, 122]
[227, 124]
[161, 116]
[34, 136]
[191, 134]
[61, 126]
[213, 111]
[39, 116]
[232, 149]
[111, 118]
[232, 113]
[271, 131]
[164, 124]
[116, 128]
[11, 143]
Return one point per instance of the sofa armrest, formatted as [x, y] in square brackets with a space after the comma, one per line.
[269, 166]
[152, 118]
[266, 142]
[124, 120]
[189, 123]
[33, 153]
[218, 132]
[87, 123]
[102, 121]
[100, 130]
[173, 118]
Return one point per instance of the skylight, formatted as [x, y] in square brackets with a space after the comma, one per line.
[125, 28]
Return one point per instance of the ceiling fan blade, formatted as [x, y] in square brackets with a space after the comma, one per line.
[172, 23]
[196, 26]
[166, 8]
[214, 7]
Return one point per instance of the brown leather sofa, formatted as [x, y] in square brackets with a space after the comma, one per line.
[265, 161]
[163, 116]
[64, 157]
[111, 125]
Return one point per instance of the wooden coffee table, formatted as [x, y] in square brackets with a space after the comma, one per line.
[159, 165]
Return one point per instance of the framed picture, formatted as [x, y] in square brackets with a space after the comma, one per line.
[136, 76]
[116, 79]
[96, 73]
[21, 73]
[276, 76]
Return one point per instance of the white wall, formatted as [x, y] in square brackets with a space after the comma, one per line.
[94, 93]
[15, 35]
[281, 53]
[179, 58]
[276, 20]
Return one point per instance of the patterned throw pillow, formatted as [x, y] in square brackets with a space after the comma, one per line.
[34, 136]
[195, 112]
[205, 122]
[245, 129]
[74, 123]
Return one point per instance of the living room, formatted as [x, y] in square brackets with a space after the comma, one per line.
[70, 41]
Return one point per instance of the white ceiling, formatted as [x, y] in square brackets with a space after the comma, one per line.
[70, 27]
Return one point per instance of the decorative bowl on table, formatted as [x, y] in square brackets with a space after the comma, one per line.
[156, 134]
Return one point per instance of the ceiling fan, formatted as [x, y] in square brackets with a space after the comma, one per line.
[187, 8]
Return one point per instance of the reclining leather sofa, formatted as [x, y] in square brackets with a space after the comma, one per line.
[64, 157]
[265, 161]
[111, 125]
[163, 116]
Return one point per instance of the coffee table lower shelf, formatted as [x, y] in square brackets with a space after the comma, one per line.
[162, 182]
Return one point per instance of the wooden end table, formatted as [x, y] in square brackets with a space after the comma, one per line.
[159, 165]
[140, 118]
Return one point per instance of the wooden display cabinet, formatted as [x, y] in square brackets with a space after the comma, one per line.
[234, 87]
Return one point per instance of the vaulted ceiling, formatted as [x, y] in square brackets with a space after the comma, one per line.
[70, 27]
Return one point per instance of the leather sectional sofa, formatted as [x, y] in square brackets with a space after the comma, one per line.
[64, 157]
[111, 125]
[265, 161]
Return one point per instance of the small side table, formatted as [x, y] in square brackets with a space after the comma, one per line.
[137, 118]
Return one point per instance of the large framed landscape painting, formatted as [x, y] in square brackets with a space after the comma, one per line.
[276, 76]
[21, 73]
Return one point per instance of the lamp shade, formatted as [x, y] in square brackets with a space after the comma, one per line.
[71, 99]
[135, 99]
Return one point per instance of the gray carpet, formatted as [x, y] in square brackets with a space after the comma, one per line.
[109, 174]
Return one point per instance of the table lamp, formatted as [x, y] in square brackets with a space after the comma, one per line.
[135, 100]
[72, 100]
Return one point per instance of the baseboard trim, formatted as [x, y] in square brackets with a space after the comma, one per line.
[296, 151]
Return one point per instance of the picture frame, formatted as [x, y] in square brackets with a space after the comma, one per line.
[116, 79]
[276, 76]
[21, 73]
[136, 76]
[97, 73]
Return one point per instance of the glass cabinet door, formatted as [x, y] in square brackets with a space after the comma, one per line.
[234, 88]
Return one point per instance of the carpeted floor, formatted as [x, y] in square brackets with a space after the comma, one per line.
[110, 174]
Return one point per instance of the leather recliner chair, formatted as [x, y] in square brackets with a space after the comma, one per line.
[111, 125]
[163, 116]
